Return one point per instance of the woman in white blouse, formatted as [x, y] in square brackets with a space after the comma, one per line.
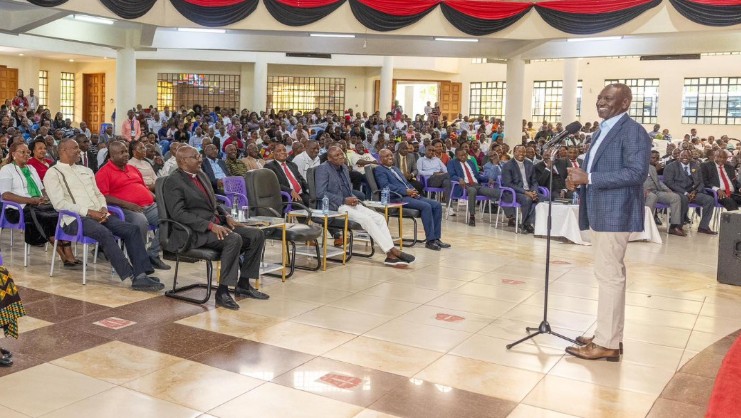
[20, 183]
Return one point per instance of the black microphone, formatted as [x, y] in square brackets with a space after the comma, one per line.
[570, 129]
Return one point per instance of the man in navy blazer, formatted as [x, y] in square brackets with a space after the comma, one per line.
[467, 176]
[214, 167]
[612, 205]
[519, 175]
[388, 175]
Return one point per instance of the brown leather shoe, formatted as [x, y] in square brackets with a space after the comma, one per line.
[592, 351]
[677, 231]
[581, 340]
[706, 231]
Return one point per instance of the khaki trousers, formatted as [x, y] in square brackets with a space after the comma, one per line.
[609, 268]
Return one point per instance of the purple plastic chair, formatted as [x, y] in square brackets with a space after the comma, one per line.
[430, 190]
[234, 186]
[502, 203]
[464, 196]
[78, 237]
[20, 225]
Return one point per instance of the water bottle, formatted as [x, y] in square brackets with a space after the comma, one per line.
[235, 208]
[575, 198]
[325, 205]
[245, 213]
[385, 196]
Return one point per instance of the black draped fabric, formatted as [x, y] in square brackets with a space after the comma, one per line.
[710, 12]
[586, 17]
[388, 15]
[129, 9]
[479, 18]
[301, 12]
[48, 3]
[214, 13]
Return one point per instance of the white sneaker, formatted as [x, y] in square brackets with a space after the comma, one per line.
[451, 212]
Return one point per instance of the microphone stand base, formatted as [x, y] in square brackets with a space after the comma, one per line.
[543, 328]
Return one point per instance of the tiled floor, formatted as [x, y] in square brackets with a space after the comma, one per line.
[364, 340]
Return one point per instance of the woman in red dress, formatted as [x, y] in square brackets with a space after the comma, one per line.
[38, 158]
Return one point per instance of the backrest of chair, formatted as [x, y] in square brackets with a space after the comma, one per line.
[5, 223]
[236, 184]
[311, 180]
[263, 192]
[370, 177]
[159, 197]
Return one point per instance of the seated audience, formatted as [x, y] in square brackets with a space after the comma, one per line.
[308, 159]
[519, 175]
[39, 160]
[431, 167]
[290, 180]
[655, 191]
[463, 171]
[252, 160]
[720, 176]
[138, 153]
[684, 178]
[213, 167]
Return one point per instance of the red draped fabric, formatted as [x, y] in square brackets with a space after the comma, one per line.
[488, 9]
[400, 7]
[590, 7]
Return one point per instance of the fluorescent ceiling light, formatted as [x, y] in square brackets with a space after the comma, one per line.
[94, 19]
[332, 35]
[457, 39]
[598, 38]
[201, 30]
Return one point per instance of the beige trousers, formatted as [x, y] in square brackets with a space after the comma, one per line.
[609, 268]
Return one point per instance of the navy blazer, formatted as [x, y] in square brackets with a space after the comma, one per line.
[614, 201]
[385, 178]
[512, 177]
[206, 167]
[456, 174]
[329, 183]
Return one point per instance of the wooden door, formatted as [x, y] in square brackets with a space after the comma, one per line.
[93, 101]
[450, 99]
[8, 83]
[377, 97]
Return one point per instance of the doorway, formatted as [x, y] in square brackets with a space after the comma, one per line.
[8, 82]
[413, 96]
[93, 101]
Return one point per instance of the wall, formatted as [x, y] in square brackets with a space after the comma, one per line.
[355, 80]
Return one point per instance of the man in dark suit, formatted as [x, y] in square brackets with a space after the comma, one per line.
[721, 177]
[519, 175]
[191, 201]
[291, 181]
[558, 169]
[388, 175]
[333, 181]
[464, 172]
[214, 167]
[684, 178]
[406, 160]
[88, 158]
[612, 206]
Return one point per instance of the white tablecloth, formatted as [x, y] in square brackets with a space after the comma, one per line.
[565, 223]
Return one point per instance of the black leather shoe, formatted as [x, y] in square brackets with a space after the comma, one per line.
[511, 222]
[442, 244]
[225, 300]
[6, 361]
[432, 245]
[529, 228]
[408, 258]
[158, 264]
[250, 292]
[147, 284]
[6, 353]
[472, 221]
[657, 220]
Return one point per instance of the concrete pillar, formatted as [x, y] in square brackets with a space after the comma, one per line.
[514, 108]
[387, 77]
[260, 85]
[570, 87]
[245, 86]
[125, 84]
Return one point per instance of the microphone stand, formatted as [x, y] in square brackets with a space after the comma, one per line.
[545, 327]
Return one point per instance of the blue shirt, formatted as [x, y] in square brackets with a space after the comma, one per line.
[429, 166]
[492, 171]
[218, 172]
[604, 129]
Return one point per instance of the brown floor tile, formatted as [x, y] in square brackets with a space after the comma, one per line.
[253, 359]
[341, 381]
[418, 398]
[29, 295]
[166, 309]
[705, 364]
[177, 340]
[690, 389]
[59, 308]
[52, 342]
[665, 408]
[20, 362]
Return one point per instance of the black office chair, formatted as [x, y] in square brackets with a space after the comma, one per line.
[337, 223]
[408, 213]
[208, 255]
[263, 193]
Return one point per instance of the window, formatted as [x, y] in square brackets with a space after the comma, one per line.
[712, 101]
[43, 92]
[67, 95]
[184, 89]
[645, 105]
[488, 99]
[479, 61]
[548, 97]
[306, 93]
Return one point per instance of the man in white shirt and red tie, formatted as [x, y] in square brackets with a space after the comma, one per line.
[720, 176]
[574, 160]
[291, 181]
[463, 172]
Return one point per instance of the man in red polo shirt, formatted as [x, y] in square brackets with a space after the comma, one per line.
[123, 186]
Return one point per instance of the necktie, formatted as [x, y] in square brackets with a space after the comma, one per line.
[291, 179]
[133, 131]
[399, 177]
[575, 163]
[84, 159]
[687, 169]
[469, 178]
[726, 183]
[403, 164]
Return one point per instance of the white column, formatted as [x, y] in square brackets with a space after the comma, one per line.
[260, 85]
[387, 77]
[514, 108]
[125, 84]
[570, 86]
[245, 86]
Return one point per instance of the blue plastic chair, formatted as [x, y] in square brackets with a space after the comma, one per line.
[430, 190]
[464, 196]
[502, 203]
[78, 238]
[20, 225]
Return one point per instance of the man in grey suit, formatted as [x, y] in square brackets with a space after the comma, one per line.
[683, 177]
[658, 192]
[612, 206]
[519, 175]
